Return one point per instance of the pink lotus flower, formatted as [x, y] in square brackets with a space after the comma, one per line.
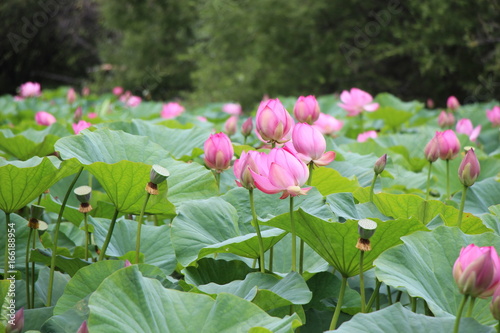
[357, 101]
[71, 96]
[242, 166]
[134, 101]
[477, 271]
[202, 119]
[92, 115]
[246, 128]
[218, 152]
[310, 145]
[469, 169]
[446, 119]
[495, 304]
[80, 126]
[362, 137]
[452, 103]
[17, 324]
[282, 171]
[465, 126]
[18, 99]
[273, 122]
[85, 91]
[44, 118]
[431, 151]
[430, 103]
[494, 115]
[78, 114]
[327, 124]
[83, 328]
[449, 146]
[125, 96]
[230, 125]
[171, 110]
[380, 164]
[30, 89]
[306, 109]
[117, 91]
[232, 108]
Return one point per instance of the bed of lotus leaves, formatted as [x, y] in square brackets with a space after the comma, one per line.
[198, 246]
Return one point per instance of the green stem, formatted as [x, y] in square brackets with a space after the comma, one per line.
[155, 220]
[273, 144]
[336, 314]
[448, 194]
[255, 223]
[361, 122]
[35, 236]
[245, 140]
[414, 304]
[271, 254]
[217, 179]
[398, 296]
[374, 296]
[39, 199]
[139, 225]
[301, 257]
[311, 169]
[362, 281]
[428, 183]
[27, 266]
[389, 295]
[461, 210]
[108, 236]
[498, 327]
[459, 314]
[56, 237]
[294, 237]
[87, 236]
[372, 187]
[6, 258]
[471, 306]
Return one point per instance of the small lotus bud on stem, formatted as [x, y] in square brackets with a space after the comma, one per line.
[366, 229]
[380, 164]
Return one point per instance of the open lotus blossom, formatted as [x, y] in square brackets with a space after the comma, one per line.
[30, 89]
[328, 125]
[171, 110]
[452, 103]
[80, 126]
[465, 126]
[134, 101]
[469, 169]
[310, 145]
[362, 137]
[494, 115]
[282, 171]
[446, 119]
[306, 109]
[247, 126]
[231, 125]
[273, 122]
[117, 91]
[232, 108]
[71, 96]
[242, 166]
[477, 271]
[218, 152]
[449, 146]
[44, 118]
[357, 101]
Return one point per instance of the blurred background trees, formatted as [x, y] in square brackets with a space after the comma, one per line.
[221, 50]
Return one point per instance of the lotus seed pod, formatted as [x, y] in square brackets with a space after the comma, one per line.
[366, 228]
[158, 174]
[83, 193]
[37, 211]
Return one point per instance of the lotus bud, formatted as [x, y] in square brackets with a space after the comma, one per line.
[71, 96]
[366, 229]
[83, 194]
[452, 103]
[246, 128]
[306, 109]
[432, 149]
[446, 119]
[230, 125]
[469, 169]
[380, 164]
[77, 116]
[83, 328]
[430, 103]
[157, 175]
[17, 324]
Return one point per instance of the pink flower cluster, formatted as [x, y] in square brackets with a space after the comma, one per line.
[443, 145]
[357, 101]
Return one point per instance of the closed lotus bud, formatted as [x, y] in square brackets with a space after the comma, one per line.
[246, 128]
[77, 116]
[306, 109]
[449, 146]
[273, 123]
[469, 168]
[71, 96]
[432, 149]
[83, 328]
[495, 304]
[452, 103]
[446, 119]
[430, 103]
[380, 164]
[17, 324]
[230, 125]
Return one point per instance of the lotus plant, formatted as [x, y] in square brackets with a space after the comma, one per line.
[378, 168]
[232, 109]
[446, 119]
[465, 126]
[306, 109]
[328, 125]
[477, 274]
[493, 115]
[44, 118]
[273, 122]
[30, 89]
[71, 96]
[362, 137]
[468, 171]
[355, 102]
[230, 125]
[83, 194]
[80, 126]
[449, 147]
[218, 154]
[171, 110]
[246, 129]
[452, 103]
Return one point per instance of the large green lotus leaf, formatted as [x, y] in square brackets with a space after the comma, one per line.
[178, 142]
[31, 142]
[70, 213]
[423, 266]
[492, 220]
[218, 271]
[22, 182]
[155, 241]
[267, 291]
[88, 279]
[63, 263]
[386, 99]
[68, 322]
[336, 242]
[211, 226]
[42, 285]
[108, 146]
[481, 196]
[392, 117]
[396, 319]
[128, 302]
[268, 206]
[125, 183]
[410, 205]
[34, 318]
[329, 181]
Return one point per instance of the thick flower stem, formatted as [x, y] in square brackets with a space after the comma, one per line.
[448, 193]
[336, 314]
[271, 254]
[361, 127]
[6, 257]
[217, 180]
[374, 296]
[139, 225]
[362, 281]
[56, 236]
[427, 192]
[498, 327]
[459, 314]
[301, 246]
[372, 187]
[255, 223]
[471, 306]
[27, 263]
[87, 236]
[461, 209]
[35, 236]
[108, 236]
[389, 295]
[414, 304]
[294, 237]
